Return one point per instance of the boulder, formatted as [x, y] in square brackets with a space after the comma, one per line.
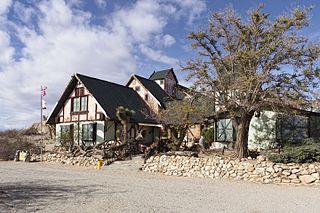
[307, 179]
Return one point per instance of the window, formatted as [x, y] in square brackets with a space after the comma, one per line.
[79, 91]
[225, 131]
[89, 132]
[80, 104]
[66, 133]
[146, 97]
[161, 82]
[137, 88]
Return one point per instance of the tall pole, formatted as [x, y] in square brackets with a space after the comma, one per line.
[41, 140]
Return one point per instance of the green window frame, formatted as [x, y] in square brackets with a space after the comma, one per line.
[80, 104]
[89, 133]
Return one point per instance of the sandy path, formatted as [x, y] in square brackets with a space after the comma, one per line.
[42, 187]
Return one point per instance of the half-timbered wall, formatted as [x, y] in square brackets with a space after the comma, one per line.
[150, 100]
[93, 112]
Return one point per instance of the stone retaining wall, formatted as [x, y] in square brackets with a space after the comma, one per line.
[64, 159]
[258, 170]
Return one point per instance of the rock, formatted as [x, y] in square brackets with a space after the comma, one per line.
[250, 168]
[285, 181]
[294, 171]
[286, 172]
[267, 181]
[315, 175]
[296, 181]
[261, 158]
[270, 169]
[293, 176]
[307, 179]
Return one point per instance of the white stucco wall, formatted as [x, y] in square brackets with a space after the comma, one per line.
[262, 131]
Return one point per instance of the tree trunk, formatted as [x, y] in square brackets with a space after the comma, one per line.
[242, 134]
[125, 132]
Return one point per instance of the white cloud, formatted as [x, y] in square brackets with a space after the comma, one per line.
[168, 40]
[4, 6]
[101, 3]
[194, 7]
[158, 56]
[58, 40]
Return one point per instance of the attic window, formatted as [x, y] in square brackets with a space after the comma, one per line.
[79, 91]
[161, 82]
[137, 88]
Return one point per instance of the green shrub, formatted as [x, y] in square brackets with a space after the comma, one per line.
[308, 151]
[208, 135]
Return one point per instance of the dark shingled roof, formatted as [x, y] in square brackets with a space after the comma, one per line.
[162, 74]
[110, 95]
[155, 90]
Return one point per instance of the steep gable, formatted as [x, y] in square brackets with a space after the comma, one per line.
[108, 96]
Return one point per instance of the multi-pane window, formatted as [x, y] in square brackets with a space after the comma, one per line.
[84, 103]
[76, 105]
[89, 133]
[225, 131]
[80, 104]
[66, 133]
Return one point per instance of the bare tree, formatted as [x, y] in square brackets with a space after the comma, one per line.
[254, 64]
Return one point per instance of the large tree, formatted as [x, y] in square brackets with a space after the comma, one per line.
[254, 64]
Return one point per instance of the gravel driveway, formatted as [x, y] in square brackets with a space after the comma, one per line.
[43, 187]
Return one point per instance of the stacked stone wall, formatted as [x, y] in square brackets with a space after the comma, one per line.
[259, 170]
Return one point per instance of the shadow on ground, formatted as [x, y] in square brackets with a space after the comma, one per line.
[33, 196]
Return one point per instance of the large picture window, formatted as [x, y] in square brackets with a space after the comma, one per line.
[89, 132]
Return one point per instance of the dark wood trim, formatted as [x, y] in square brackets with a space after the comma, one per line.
[95, 111]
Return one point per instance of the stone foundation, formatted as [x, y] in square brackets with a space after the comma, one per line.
[259, 170]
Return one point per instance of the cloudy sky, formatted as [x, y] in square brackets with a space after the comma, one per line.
[43, 42]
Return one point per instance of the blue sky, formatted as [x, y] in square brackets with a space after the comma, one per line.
[44, 42]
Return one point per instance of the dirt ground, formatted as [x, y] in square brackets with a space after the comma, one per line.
[121, 187]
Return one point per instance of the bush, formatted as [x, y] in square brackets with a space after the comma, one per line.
[306, 152]
[11, 141]
[208, 135]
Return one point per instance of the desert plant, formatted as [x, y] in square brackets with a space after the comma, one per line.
[308, 151]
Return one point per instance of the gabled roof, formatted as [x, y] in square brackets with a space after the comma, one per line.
[109, 95]
[154, 89]
[162, 74]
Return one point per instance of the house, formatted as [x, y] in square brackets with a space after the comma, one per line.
[269, 129]
[86, 111]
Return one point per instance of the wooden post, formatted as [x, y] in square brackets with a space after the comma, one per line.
[41, 139]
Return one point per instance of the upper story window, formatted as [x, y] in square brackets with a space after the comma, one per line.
[137, 88]
[161, 82]
[146, 97]
[79, 104]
